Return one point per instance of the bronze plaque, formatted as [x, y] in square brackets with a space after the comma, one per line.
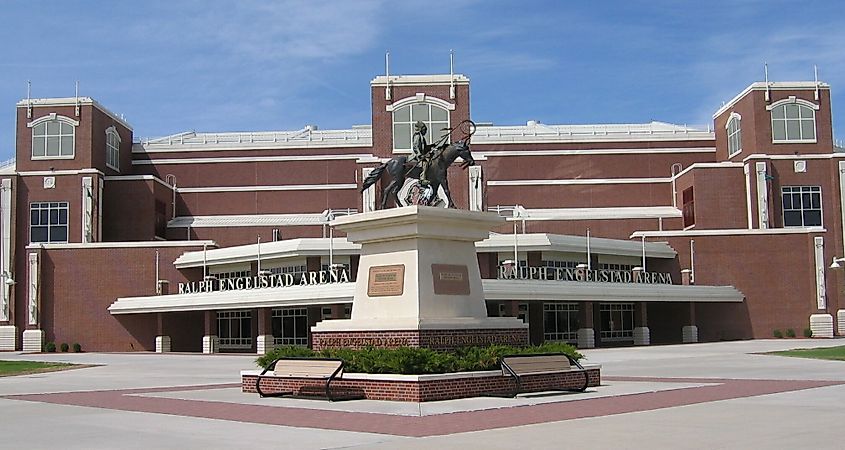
[450, 279]
[386, 280]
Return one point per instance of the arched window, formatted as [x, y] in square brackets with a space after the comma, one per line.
[793, 121]
[434, 117]
[113, 148]
[734, 135]
[53, 137]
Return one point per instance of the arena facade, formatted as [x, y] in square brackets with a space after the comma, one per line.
[624, 234]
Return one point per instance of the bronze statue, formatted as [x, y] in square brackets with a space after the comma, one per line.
[436, 160]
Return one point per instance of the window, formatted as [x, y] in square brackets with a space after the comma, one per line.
[113, 149]
[617, 321]
[234, 329]
[434, 117]
[290, 326]
[560, 322]
[688, 211]
[53, 137]
[48, 222]
[231, 274]
[619, 267]
[793, 122]
[734, 135]
[802, 206]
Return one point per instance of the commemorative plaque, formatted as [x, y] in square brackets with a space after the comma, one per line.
[450, 279]
[386, 281]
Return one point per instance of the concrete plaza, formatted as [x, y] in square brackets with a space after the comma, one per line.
[712, 395]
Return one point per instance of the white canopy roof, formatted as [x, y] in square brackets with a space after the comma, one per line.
[520, 290]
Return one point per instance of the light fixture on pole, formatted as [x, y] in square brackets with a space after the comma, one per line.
[329, 215]
[837, 263]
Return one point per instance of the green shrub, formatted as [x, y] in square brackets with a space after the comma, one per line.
[76, 347]
[416, 361]
[808, 333]
[778, 334]
[64, 347]
[790, 333]
[50, 347]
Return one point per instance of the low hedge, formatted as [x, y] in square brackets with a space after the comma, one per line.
[418, 361]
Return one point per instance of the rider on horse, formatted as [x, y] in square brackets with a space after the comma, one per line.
[421, 150]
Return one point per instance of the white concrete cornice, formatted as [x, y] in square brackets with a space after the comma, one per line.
[248, 159]
[50, 173]
[71, 101]
[718, 165]
[285, 187]
[595, 151]
[419, 80]
[541, 133]
[621, 212]
[133, 244]
[756, 156]
[248, 220]
[773, 86]
[578, 181]
[728, 232]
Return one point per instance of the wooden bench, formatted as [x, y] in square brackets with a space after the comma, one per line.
[517, 366]
[315, 368]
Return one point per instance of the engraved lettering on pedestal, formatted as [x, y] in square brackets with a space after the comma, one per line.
[386, 281]
[450, 279]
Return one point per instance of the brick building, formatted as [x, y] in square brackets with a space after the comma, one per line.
[618, 234]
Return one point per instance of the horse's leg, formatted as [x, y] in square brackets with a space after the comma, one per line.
[387, 192]
[447, 192]
[395, 192]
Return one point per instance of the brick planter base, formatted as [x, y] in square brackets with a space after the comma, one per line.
[434, 339]
[424, 388]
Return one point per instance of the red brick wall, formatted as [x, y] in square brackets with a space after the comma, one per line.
[425, 391]
[78, 285]
[434, 339]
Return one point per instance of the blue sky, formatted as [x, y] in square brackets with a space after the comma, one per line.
[172, 66]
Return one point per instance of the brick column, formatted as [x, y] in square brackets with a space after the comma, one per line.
[264, 340]
[162, 340]
[586, 333]
[210, 342]
[689, 332]
[642, 335]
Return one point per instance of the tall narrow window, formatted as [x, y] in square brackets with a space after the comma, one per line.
[793, 122]
[688, 210]
[734, 135]
[802, 206]
[53, 137]
[48, 222]
[113, 149]
[433, 116]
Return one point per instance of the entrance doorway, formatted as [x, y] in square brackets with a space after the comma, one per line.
[616, 322]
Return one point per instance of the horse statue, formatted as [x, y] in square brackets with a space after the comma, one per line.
[441, 158]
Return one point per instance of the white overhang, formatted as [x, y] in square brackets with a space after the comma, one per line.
[576, 244]
[248, 220]
[269, 250]
[256, 298]
[520, 290]
[614, 213]
[576, 291]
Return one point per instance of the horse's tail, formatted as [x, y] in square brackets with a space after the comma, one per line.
[373, 177]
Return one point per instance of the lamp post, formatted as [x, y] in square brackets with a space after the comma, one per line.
[329, 215]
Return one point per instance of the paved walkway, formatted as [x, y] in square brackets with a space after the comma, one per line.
[716, 395]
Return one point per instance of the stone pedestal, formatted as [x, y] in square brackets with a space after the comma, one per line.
[162, 344]
[586, 338]
[263, 343]
[642, 336]
[33, 341]
[689, 334]
[821, 325]
[418, 283]
[8, 338]
[840, 321]
[210, 344]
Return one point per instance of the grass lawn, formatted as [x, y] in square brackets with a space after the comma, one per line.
[835, 353]
[11, 368]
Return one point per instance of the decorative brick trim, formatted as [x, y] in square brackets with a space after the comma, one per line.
[426, 390]
[434, 339]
